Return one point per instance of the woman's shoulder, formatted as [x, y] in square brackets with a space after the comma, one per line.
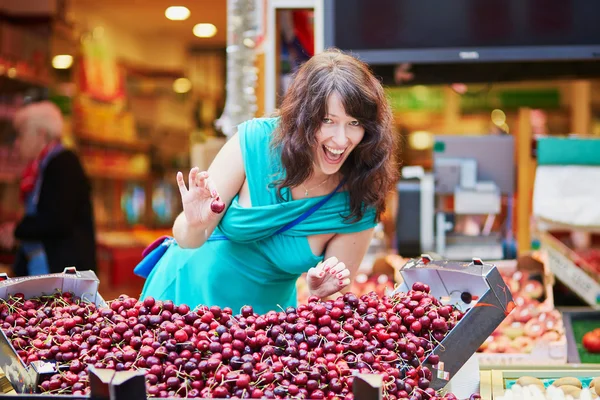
[257, 126]
[255, 135]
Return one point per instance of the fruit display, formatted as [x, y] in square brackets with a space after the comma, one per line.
[591, 258]
[531, 320]
[591, 341]
[311, 351]
[529, 387]
[583, 336]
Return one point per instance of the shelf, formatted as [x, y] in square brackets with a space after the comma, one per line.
[545, 225]
[114, 175]
[139, 146]
[19, 83]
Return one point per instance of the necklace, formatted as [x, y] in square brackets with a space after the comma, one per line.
[319, 185]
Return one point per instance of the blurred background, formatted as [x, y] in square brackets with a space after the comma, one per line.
[151, 87]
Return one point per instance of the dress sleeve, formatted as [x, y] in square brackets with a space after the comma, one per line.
[255, 142]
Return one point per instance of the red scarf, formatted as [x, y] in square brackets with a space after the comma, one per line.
[31, 171]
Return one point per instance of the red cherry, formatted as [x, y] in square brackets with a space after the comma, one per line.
[217, 206]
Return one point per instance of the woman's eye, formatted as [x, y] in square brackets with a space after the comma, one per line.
[354, 123]
[327, 121]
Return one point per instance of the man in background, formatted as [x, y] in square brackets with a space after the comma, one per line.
[57, 230]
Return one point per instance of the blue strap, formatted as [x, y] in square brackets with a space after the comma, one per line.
[298, 220]
[310, 211]
[148, 263]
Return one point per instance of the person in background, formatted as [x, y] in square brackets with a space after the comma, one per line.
[57, 230]
[300, 192]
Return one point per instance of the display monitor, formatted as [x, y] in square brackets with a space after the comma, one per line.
[443, 31]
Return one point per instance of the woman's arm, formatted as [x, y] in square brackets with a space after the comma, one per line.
[343, 255]
[226, 175]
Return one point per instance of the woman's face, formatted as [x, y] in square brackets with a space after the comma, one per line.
[338, 136]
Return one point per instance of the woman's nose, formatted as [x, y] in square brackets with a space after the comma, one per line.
[340, 138]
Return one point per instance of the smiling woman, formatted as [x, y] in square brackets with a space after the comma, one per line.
[302, 192]
[335, 116]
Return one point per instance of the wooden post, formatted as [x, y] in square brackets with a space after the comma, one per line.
[525, 180]
[581, 92]
[451, 110]
[260, 86]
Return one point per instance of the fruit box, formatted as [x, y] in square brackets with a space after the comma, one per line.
[454, 283]
[503, 379]
[539, 314]
[485, 385]
[577, 324]
[84, 284]
[571, 269]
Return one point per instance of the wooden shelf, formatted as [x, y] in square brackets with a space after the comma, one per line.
[119, 176]
[140, 146]
[21, 82]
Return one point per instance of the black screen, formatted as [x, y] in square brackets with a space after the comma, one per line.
[389, 26]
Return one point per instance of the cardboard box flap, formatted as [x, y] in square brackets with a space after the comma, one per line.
[487, 304]
[82, 283]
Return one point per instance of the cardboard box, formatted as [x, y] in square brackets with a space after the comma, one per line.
[447, 280]
[23, 378]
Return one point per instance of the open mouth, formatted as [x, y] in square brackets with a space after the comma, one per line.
[333, 155]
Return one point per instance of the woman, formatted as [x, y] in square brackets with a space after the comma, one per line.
[57, 230]
[301, 188]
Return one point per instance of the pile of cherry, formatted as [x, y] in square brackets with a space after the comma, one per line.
[310, 351]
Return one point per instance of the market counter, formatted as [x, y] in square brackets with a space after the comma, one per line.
[118, 253]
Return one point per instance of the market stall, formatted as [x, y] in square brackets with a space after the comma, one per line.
[52, 337]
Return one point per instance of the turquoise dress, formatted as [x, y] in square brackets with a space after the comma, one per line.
[245, 262]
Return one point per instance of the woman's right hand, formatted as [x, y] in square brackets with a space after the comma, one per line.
[198, 199]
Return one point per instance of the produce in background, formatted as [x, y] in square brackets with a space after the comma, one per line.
[310, 351]
[591, 341]
[530, 320]
[592, 258]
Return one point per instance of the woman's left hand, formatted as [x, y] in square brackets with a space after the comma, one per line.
[328, 277]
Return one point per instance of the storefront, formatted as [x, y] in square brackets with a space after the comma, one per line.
[482, 277]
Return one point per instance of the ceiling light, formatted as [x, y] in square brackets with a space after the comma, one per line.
[177, 13]
[182, 85]
[205, 30]
[62, 61]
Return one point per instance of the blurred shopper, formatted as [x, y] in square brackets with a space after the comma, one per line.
[302, 192]
[57, 230]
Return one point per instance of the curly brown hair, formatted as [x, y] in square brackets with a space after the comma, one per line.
[371, 170]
